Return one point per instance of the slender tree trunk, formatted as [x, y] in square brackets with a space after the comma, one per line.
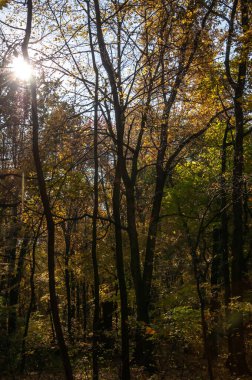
[224, 236]
[32, 300]
[73, 281]
[11, 252]
[125, 373]
[199, 278]
[46, 206]
[215, 290]
[15, 286]
[224, 222]
[84, 307]
[237, 358]
[238, 362]
[96, 317]
[77, 300]
[119, 116]
[142, 311]
[204, 325]
[152, 235]
[67, 280]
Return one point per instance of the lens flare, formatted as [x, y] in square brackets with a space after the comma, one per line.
[21, 69]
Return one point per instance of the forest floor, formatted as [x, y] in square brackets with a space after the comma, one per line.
[197, 371]
[172, 364]
[136, 375]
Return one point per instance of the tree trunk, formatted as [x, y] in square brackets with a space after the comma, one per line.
[67, 279]
[10, 253]
[119, 116]
[15, 286]
[96, 317]
[32, 300]
[237, 358]
[215, 289]
[238, 362]
[46, 206]
[125, 373]
[84, 307]
[224, 222]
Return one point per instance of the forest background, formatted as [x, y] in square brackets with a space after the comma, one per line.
[125, 189]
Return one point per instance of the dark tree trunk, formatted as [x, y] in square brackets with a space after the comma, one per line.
[15, 286]
[11, 252]
[204, 325]
[142, 310]
[125, 373]
[120, 168]
[237, 352]
[46, 206]
[84, 307]
[78, 301]
[152, 235]
[96, 317]
[32, 304]
[200, 277]
[224, 222]
[215, 289]
[224, 235]
[67, 279]
[238, 362]
[73, 281]
[107, 315]
[68, 295]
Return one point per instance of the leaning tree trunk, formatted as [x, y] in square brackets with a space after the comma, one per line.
[46, 205]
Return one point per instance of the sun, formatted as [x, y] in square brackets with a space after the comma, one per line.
[21, 69]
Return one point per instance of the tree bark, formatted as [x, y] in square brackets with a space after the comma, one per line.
[125, 373]
[46, 205]
[120, 168]
[67, 279]
[32, 303]
[237, 352]
[11, 252]
[215, 290]
[96, 316]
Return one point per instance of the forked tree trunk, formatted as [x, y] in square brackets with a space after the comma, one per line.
[120, 167]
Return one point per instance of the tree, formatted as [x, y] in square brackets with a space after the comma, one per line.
[237, 346]
[46, 204]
